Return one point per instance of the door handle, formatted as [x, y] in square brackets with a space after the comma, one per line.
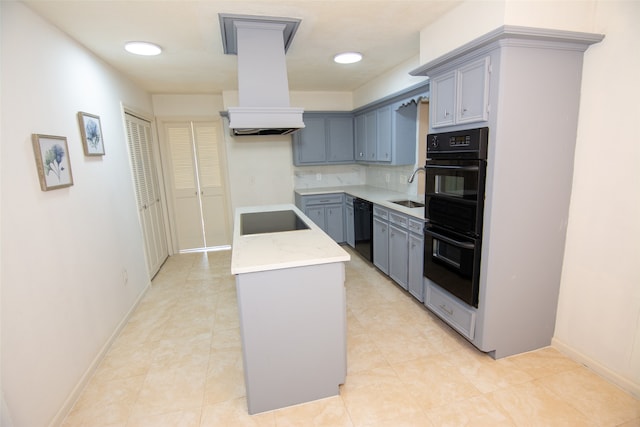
[461, 168]
[463, 245]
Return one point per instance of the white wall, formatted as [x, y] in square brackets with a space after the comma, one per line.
[261, 169]
[599, 309]
[393, 81]
[598, 319]
[64, 252]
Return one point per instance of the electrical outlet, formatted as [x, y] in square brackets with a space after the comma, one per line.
[387, 178]
[125, 277]
[318, 177]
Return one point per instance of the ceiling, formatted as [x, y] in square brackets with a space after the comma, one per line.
[386, 32]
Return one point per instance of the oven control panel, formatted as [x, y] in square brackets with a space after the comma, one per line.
[463, 144]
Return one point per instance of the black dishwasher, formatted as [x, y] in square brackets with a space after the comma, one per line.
[363, 228]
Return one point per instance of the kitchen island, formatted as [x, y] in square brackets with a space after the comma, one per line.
[292, 306]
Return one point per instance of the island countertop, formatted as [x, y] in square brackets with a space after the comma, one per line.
[272, 251]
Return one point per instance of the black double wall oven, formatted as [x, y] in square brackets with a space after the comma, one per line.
[454, 206]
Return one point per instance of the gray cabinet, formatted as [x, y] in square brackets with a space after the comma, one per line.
[416, 259]
[349, 221]
[383, 134]
[406, 253]
[326, 211]
[327, 138]
[371, 135]
[387, 134]
[398, 249]
[381, 238]
[361, 139]
[461, 95]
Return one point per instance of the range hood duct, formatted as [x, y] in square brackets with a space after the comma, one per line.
[263, 88]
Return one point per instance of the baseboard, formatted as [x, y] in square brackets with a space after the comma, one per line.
[84, 380]
[624, 383]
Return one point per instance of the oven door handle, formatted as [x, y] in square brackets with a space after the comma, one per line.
[463, 245]
[460, 168]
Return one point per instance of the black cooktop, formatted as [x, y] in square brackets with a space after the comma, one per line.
[270, 222]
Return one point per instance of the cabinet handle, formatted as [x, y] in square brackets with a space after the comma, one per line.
[464, 110]
[446, 113]
[446, 310]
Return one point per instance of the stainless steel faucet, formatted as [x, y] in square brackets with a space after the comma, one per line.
[413, 175]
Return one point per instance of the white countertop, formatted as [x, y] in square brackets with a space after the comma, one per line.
[272, 251]
[375, 195]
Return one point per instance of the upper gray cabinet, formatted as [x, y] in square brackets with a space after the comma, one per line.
[387, 134]
[383, 132]
[326, 138]
[461, 95]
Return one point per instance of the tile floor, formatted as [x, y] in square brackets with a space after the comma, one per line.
[178, 363]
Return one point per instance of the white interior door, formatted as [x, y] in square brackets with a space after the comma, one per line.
[197, 184]
[148, 191]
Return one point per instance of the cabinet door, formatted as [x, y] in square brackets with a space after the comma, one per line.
[416, 261]
[381, 245]
[334, 221]
[383, 126]
[340, 139]
[350, 224]
[443, 99]
[310, 142]
[472, 89]
[371, 135]
[399, 255]
[361, 138]
[316, 214]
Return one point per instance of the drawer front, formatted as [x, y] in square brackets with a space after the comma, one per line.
[348, 199]
[380, 212]
[416, 226]
[461, 317]
[323, 199]
[398, 219]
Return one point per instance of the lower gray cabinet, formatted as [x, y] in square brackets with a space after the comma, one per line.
[381, 238]
[416, 260]
[349, 221]
[399, 249]
[326, 211]
[406, 253]
[334, 222]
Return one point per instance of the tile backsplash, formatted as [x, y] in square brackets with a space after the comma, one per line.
[387, 177]
[329, 176]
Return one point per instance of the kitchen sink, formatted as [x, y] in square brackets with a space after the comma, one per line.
[408, 203]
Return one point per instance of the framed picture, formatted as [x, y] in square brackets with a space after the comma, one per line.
[52, 160]
[91, 133]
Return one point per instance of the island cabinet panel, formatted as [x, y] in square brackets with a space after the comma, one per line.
[327, 138]
[293, 327]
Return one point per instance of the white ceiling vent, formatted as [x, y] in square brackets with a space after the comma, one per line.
[263, 87]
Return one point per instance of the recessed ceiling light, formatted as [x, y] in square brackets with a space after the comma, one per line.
[347, 57]
[143, 48]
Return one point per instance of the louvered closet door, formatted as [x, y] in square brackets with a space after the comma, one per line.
[199, 191]
[212, 184]
[148, 194]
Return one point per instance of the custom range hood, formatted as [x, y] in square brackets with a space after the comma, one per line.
[263, 88]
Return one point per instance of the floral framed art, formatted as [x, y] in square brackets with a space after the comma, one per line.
[52, 160]
[91, 132]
